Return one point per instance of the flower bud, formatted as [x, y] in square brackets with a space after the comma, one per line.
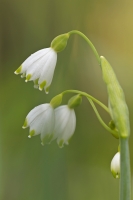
[115, 165]
[59, 43]
[112, 125]
[75, 101]
[56, 101]
[117, 104]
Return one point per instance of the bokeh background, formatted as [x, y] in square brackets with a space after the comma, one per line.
[82, 169]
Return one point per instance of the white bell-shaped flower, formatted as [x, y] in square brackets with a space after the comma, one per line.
[41, 121]
[39, 67]
[65, 123]
[115, 165]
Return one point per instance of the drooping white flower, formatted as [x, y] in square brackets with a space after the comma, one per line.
[115, 165]
[39, 67]
[41, 121]
[65, 123]
[51, 123]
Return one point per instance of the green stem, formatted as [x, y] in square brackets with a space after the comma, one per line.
[125, 182]
[114, 133]
[88, 96]
[89, 42]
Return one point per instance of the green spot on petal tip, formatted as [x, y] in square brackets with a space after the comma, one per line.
[47, 139]
[23, 75]
[28, 77]
[32, 133]
[61, 143]
[18, 71]
[36, 81]
[47, 89]
[25, 124]
[42, 144]
[42, 85]
[50, 138]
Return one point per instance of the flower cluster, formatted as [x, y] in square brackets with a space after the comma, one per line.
[51, 123]
[49, 120]
[54, 122]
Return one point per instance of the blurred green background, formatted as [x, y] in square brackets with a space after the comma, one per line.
[82, 169]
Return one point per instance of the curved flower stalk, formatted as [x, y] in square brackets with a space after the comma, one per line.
[39, 67]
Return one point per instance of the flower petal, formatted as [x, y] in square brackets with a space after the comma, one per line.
[36, 68]
[48, 69]
[33, 58]
[41, 121]
[48, 123]
[65, 123]
[36, 112]
[39, 67]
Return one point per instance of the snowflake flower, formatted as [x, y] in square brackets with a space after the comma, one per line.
[41, 121]
[39, 67]
[65, 123]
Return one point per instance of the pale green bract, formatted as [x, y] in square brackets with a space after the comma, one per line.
[60, 42]
[117, 104]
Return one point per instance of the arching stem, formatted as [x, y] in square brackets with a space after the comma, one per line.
[89, 42]
[88, 96]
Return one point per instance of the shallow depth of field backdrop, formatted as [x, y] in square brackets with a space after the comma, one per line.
[29, 171]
